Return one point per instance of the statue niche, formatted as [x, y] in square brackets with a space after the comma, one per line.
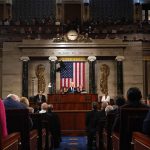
[105, 70]
[40, 73]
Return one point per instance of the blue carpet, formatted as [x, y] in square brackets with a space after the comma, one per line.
[73, 143]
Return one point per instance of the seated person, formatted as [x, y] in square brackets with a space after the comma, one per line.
[80, 89]
[12, 101]
[44, 108]
[134, 97]
[72, 88]
[25, 101]
[63, 90]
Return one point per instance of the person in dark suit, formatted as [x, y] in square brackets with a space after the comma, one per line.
[40, 98]
[134, 97]
[12, 101]
[72, 88]
[146, 124]
[91, 122]
[133, 101]
[54, 126]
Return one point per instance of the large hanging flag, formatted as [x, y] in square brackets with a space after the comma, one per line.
[72, 72]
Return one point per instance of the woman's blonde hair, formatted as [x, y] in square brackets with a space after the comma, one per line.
[25, 101]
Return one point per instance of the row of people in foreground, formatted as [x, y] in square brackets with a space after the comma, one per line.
[13, 101]
[96, 119]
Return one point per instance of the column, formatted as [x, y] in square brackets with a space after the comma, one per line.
[59, 11]
[24, 60]
[86, 10]
[120, 74]
[52, 88]
[92, 86]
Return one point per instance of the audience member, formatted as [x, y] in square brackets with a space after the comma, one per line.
[54, 126]
[44, 108]
[108, 109]
[12, 101]
[146, 124]
[133, 101]
[101, 124]
[25, 101]
[134, 97]
[3, 125]
[119, 101]
[92, 120]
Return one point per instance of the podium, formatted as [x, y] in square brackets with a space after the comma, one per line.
[72, 109]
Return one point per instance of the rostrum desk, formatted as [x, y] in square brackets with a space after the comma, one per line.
[71, 109]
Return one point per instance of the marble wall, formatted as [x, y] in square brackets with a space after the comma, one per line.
[12, 65]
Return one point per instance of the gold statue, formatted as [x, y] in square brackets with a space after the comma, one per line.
[40, 72]
[105, 70]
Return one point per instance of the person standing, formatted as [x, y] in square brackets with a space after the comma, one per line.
[40, 98]
[91, 122]
[72, 88]
[105, 98]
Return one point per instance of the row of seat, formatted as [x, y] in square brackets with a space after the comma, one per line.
[21, 136]
[131, 122]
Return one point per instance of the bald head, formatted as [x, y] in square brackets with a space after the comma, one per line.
[14, 97]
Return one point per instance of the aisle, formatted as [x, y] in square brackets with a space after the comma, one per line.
[73, 143]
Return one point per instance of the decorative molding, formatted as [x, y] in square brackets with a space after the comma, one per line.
[24, 58]
[72, 36]
[73, 58]
[120, 58]
[52, 58]
[91, 58]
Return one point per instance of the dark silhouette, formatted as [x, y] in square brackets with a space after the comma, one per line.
[92, 119]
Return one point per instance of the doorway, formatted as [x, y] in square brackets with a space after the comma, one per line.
[72, 13]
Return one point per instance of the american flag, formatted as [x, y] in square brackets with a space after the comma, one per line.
[73, 72]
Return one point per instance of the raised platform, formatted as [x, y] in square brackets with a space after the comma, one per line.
[72, 109]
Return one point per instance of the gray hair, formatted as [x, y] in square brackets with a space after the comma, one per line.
[14, 97]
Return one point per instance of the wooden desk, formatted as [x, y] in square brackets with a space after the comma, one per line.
[72, 109]
[71, 101]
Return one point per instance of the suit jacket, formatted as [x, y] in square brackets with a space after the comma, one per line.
[38, 100]
[9, 103]
[128, 105]
[54, 126]
[146, 124]
[92, 120]
[70, 90]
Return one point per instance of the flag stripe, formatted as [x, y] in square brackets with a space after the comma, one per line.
[75, 71]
